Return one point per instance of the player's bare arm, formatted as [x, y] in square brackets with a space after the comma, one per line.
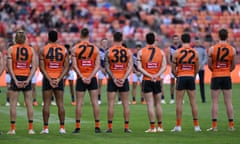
[130, 66]
[74, 63]
[139, 64]
[42, 65]
[210, 58]
[9, 65]
[197, 65]
[33, 69]
[163, 66]
[97, 66]
[234, 60]
[1, 63]
[106, 62]
[65, 67]
[174, 64]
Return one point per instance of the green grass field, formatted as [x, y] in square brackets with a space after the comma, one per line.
[138, 123]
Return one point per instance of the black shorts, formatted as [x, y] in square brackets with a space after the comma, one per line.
[46, 85]
[80, 86]
[185, 83]
[224, 83]
[150, 86]
[14, 87]
[111, 87]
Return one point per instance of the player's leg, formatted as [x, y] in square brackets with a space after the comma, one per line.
[93, 92]
[71, 87]
[111, 94]
[46, 96]
[34, 94]
[193, 103]
[61, 111]
[157, 96]
[126, 111]
[100, 81]
[201, 83]
[172, 86]
[29, 107]
[151, 111]
[13, 96]
[229, 107]
[134, 88]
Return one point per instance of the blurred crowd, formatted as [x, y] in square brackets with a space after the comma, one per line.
[134, 18]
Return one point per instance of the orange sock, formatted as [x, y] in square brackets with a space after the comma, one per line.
[97, 123]
[152, 125]
[45, 127]
[62, 126]
[109, 124]
[30, 125]
[195, 122]
[160, 124]
[78, 125]
[178, 122]
[231, 123]
[126, 126]
[13, 126]
[214, 123]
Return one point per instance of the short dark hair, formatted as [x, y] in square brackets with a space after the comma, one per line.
[52, 36]
[150, 38]
[117, 36]
[84, 33]
[186, 38]
[223, 34]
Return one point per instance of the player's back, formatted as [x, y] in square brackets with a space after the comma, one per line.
[21, 59]
[86, 54]
[186, 60]
[118, 60]
[222, 57]
[54, 56]
[151, 60]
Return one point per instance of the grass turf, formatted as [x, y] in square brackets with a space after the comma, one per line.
[138, 123]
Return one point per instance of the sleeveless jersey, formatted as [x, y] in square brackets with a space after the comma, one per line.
[118, 57]
[173, 49]
[54, 56]
[186, 59]
[151, 60]
[86, 54]
[21, 59]
[221, 59]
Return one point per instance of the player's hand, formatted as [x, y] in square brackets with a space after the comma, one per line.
[118, 82]
[19, 84]
[53, 83]
[25, 83]
[86, 80]
[154, 78]
[138, 74]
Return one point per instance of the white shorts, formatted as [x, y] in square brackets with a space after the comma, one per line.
[136, 78]
[71, 75]
[34, 78]
[8, 78]
[101, 75]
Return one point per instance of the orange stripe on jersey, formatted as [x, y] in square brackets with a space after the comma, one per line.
[118, 61]
[86, 54]
[54, 56]
[221, 59]
[21, 59]
[186, 59]
[151, 60]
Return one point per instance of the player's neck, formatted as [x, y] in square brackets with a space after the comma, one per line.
[186, 45]
[117, 43]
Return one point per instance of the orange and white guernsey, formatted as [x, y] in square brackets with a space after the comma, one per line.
[118, 61]
[151, 60]
[186, 59]
[221, 59]
[21, 59]
[54, 56]
[86, 54]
